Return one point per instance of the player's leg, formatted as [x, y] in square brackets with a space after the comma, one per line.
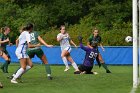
[23, 63]
[41, 55]
[63, 55]
[1, 86]
[4, 67]
[69, 58]
[103, 63]
[8, 61]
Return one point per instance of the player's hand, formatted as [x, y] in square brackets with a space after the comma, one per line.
[80, 38]
[75, 46]
[7, 40]
[49, 45]
[103, 49]
[10, 44]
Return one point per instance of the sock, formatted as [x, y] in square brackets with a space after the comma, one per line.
[65, 61]
[3, 67]
[19, 73]
[6, 66]
[104, 66]
[16, 71]
[48, 69]
[27, 69]
[75, 66]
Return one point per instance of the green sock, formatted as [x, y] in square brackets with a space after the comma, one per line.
[6, 67]
[48, 69]
[104, 66]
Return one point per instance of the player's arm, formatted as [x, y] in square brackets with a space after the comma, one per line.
[59, 37]
[81, 44]
[43, 42]
[17, 41]
[4, 41]
[71, 41]
[101, 45]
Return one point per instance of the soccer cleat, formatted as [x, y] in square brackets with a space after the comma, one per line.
[14, 81]
[77, 72]
[50, 78]
[1, 86]
[95, 73]
[66, 69]
[107, 71]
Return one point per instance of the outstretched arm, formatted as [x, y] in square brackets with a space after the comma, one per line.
[43, 42]
[81, 45]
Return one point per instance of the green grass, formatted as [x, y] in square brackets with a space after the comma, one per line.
[35, 81]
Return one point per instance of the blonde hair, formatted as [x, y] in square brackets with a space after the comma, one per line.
[3, 29]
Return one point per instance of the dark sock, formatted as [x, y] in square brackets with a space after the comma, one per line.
[6, 67]
[104, 66]
[48, 69]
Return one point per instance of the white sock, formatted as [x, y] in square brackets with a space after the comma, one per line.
[19, 73]
[65, 61]
[75, 66]
[27, 68]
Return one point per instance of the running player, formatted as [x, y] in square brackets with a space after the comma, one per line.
[35, 39]
[4, 41]
[91, 54]
[95, 40]
[64, 39]
[23, 43]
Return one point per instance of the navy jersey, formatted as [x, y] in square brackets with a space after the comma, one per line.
[90, 56]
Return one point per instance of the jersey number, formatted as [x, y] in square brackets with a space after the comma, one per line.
[92, 55]
[32, 36]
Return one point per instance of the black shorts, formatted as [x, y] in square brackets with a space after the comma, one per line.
[85, 68]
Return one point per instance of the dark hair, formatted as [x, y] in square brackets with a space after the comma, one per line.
[62, 26]
[29, 26]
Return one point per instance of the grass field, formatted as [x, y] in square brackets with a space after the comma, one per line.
[35, 81]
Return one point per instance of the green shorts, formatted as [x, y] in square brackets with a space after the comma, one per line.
[38, 52]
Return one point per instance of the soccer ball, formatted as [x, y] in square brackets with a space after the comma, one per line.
[128, 39]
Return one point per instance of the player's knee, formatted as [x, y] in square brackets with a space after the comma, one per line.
[62, 55]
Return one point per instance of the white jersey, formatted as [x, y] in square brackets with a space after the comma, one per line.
[24, 38]
[64, 43]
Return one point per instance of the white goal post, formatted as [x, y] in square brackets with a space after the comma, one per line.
[136, 42]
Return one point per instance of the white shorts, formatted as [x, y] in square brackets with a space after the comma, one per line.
[67, 49]
[21, 55]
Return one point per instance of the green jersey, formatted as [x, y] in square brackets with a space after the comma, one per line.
[4, 37]
[94, 40]
[34, 39]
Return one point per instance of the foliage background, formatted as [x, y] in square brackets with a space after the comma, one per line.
[112, 17]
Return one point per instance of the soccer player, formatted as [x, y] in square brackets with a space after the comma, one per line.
[65, 40]
[23, 43]
[91, 54]
[95, 40]
[35, 39]
[4, 41]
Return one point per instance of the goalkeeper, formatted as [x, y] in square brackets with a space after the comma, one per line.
[91, 54]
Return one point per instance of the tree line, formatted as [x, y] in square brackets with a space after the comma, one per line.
[112, 17]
